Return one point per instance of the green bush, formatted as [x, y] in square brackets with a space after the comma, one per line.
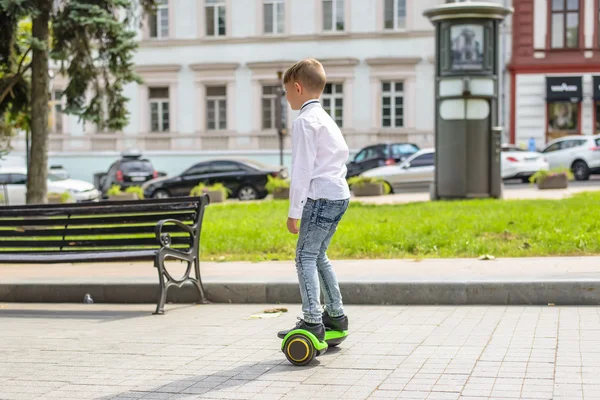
[114, 190]
[276, 183]
[219, 187]
[541, 175]
[64, 197]
[201, 189]
[198, 190]
[362, 180]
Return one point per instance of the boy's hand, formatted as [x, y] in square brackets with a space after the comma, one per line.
[292, 225]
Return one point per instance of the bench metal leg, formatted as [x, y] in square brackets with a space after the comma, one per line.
[162, 288]
[165, 281]
[198, 282]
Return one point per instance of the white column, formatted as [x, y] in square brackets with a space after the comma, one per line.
[131, 91]
[348, 103]
[410, 98]
[245, 100]
[144, 112]
[201, 107]
[362, 98]
[375, 89]
[231, 106]
[187, 102]
[588, 109]
[173, 108]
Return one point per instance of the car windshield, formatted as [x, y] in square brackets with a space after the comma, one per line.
[412, 158]
[511, 148]
[56, 178]
[136, 166]
[404, 148]
[256, 164]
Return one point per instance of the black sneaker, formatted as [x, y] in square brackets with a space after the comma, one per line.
[335, 323]
[316, 329]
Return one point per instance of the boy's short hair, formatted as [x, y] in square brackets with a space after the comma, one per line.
[310, 73]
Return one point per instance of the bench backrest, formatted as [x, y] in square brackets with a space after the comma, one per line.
[106, 226]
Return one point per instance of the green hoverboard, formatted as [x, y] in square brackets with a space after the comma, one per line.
[301, 347]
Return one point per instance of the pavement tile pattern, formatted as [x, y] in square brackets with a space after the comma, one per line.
[99, 351]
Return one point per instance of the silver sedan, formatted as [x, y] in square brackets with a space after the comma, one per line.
[414, 173]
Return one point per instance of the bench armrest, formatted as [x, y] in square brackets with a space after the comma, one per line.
[165, 238]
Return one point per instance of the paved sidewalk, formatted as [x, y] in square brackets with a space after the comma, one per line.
[530, 193]
[566, 281]
[403, 270]
[216, 352]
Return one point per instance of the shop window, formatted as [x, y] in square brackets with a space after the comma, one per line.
[563, 119]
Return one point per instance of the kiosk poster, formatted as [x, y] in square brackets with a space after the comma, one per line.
[467, 47]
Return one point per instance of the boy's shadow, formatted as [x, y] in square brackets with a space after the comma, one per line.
[226, 379]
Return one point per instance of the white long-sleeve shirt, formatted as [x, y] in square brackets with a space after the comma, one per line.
[319, 156]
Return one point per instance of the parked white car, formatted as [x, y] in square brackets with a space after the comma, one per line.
[13, 182]
[579, 153]
[417, 171]
[521, 164]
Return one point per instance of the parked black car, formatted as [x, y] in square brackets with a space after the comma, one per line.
[379, 155]
[130, 170]
[245, 179]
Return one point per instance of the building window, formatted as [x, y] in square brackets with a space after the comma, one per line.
[215, 18]
[269, 101]
[269, 108]
[216, 108]
[159, 109]
[333, 102]
[565, 24]
[273, 15]
[333, 15]
[55, 117]
[394, 14]
[392, 100]
[159, 22]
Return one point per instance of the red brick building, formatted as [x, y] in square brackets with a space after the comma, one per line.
[554, 70]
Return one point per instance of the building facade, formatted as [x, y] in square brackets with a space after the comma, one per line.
[555, 70]
[210, 68]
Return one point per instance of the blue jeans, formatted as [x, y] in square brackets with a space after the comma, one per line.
[320, 219]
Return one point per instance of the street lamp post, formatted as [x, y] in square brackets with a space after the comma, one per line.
[279, 116]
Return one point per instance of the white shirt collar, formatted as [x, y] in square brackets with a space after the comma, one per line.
[308, 103]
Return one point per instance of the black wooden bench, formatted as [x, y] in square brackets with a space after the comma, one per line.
[111, 231]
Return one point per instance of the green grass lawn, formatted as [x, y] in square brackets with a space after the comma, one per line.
[257, 231]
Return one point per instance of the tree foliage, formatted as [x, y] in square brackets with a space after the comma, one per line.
[15, 62]
[93, 42]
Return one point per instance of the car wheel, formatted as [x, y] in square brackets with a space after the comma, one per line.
[247, 193]
[581, 171]
[161, 194]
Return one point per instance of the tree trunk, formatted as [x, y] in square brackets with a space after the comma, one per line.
[37, 175]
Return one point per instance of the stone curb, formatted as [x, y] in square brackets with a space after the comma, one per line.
[559, 292]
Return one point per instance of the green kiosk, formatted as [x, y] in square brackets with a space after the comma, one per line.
[467, 138]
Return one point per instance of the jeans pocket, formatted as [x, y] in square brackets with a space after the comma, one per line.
[330, 212]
